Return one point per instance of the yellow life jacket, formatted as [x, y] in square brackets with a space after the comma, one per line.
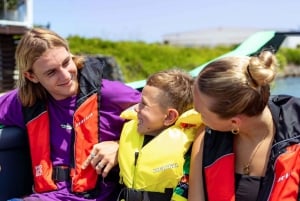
[158, 164]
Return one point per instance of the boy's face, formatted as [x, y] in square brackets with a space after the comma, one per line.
[151, 115]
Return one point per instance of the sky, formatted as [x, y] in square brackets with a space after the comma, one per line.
[150, 20]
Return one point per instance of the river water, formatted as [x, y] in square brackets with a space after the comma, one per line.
[289, 86]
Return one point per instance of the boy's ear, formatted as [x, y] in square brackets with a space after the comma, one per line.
[172, 117]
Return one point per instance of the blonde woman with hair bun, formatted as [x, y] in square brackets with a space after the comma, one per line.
[250, 148]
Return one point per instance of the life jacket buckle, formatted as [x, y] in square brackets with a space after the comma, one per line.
[61, 173]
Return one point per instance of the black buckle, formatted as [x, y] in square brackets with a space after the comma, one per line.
[91, 194]
[135, 195]
[61, 173]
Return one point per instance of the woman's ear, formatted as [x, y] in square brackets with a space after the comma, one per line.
[236, 122]
[172, 117]
[31, 76]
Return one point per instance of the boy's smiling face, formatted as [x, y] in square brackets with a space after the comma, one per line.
[151, 116]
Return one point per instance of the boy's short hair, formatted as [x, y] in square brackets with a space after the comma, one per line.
[177, 86]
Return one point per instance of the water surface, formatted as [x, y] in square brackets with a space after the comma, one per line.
[289, 86]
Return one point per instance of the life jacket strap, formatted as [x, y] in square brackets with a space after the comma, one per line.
[61, 173]
[129, 194]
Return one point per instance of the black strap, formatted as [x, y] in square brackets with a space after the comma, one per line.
[166, 196]
[61, 173]
[130, 194]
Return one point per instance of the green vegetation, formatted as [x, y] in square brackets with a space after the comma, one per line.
[138, 60]
[9, 4]
[292, 56]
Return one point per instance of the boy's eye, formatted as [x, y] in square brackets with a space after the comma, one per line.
[142, 105]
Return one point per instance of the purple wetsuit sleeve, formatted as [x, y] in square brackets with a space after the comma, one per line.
[11, 109]
[115, 98]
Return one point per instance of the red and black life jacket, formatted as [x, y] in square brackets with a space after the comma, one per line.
[282, 178]
[86, 129]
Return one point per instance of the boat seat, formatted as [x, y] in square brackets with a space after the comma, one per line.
[15, 164]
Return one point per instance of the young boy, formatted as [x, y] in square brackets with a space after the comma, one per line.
[154, 142]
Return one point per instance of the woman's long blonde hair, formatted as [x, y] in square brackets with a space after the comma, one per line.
[30, 48]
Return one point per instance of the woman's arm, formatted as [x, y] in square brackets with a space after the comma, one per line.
[196, 190]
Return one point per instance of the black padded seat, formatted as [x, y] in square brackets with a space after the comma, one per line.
[15, 163]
